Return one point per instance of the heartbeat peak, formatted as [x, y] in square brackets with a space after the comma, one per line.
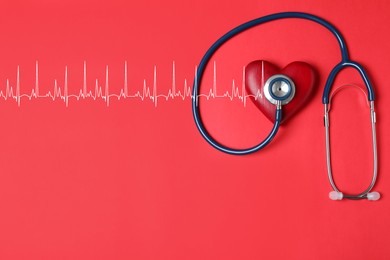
[102, 92]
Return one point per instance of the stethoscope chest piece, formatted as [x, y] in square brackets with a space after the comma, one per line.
[279, 88]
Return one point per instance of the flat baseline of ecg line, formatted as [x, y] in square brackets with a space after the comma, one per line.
[102, 92]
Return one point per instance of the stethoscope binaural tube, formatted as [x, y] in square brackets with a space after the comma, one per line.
[345, 62]
[336, 194]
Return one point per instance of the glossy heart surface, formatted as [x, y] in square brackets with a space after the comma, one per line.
[302, 74]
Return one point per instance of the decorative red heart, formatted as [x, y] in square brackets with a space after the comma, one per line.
[302, 74]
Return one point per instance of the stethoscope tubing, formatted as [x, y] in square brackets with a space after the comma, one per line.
[344, 63]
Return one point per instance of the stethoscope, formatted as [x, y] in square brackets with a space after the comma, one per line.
[280, 90]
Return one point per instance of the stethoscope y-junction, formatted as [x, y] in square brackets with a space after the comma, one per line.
[280, 89]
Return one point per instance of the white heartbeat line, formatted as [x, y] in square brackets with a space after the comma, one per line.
[102, 92]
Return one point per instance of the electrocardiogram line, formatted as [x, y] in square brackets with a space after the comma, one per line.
[103, 92]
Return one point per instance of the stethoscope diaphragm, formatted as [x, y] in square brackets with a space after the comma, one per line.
[279, 88]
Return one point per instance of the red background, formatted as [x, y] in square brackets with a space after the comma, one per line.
[135, 181]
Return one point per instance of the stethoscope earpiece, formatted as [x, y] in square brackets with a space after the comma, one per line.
[373, 195]
[338, 195]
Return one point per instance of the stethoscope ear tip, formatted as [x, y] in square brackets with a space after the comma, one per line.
[335, 195]
[373, 195]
